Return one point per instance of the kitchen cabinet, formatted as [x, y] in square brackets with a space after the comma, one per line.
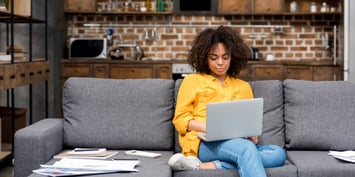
[300, 70]
[124, 71]
[117, 69]
[326, 73]
[270, 6]
[77, 70]
[164, 71]
[80, 5]
[235, 6]
[267, 72]
[101, 71]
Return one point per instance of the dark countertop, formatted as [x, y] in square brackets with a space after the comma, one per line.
[182, 61]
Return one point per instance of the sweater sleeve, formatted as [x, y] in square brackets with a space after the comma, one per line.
[184, 105]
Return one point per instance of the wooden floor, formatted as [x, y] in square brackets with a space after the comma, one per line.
[5, 151]
[6, 167]
[6, 170]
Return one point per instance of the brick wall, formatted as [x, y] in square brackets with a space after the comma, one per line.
[300, 36]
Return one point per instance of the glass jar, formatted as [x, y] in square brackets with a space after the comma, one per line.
[126, 6]
[313, 7]
[293, 6]
[324, 7]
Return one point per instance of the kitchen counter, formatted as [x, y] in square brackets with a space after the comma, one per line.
[181, 61]
[167, 69]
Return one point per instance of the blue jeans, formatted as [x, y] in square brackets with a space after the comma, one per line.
[242, 154]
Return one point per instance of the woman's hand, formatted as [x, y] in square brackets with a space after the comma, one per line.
[195, 125]
[254, 139]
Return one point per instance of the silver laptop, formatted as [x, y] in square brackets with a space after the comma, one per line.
[233, 119]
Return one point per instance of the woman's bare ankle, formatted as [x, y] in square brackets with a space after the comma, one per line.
[207, 166]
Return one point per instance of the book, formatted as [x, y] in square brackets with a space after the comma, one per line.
[100, 154]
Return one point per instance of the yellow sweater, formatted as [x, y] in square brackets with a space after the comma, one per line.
[196, 90]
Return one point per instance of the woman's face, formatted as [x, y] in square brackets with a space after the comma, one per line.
[219, 61]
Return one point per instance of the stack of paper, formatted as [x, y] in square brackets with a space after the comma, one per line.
[69, 167]
[90, 153]
[343, 155]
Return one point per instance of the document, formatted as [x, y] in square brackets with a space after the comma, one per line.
[348, 156]
[85, 153]
[69, 167]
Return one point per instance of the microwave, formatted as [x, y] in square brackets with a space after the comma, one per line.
[195, 7]
[88, 48]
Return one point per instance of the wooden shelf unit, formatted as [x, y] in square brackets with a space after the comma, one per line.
[15, 73]
[20, 74]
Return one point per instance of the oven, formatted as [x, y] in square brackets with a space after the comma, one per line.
[180, 70]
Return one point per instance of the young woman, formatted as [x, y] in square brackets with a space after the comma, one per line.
[217, 55]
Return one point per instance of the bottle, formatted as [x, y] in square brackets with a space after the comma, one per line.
[313, 7]
[293, 6]
[148, 5]
[324, 7]
[160, 5]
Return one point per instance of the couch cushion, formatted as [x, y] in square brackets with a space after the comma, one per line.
[319, 164]
[118, 114]
[319, 115]
[273, 125]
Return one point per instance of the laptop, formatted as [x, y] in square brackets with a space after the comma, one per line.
[233, 119]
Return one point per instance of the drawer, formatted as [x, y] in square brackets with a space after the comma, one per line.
[270, 6]
[131, 72]
[300, 73]
[100, 71]
[76, 71]
[164, 72]
[325, 73]
[267, 72]
[234, 6]
[244, 72]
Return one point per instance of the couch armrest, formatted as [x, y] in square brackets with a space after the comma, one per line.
[36, 144]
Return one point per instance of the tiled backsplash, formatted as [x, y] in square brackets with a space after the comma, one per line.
[287, 37]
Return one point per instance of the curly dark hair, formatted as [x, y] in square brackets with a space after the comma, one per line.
[208, 39]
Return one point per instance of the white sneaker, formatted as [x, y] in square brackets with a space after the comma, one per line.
[181, 162]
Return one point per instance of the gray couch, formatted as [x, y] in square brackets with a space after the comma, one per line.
[307, 118]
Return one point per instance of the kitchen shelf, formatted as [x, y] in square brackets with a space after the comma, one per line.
[284, 13]
[5, 17]
[312, 13]
[121, 13]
